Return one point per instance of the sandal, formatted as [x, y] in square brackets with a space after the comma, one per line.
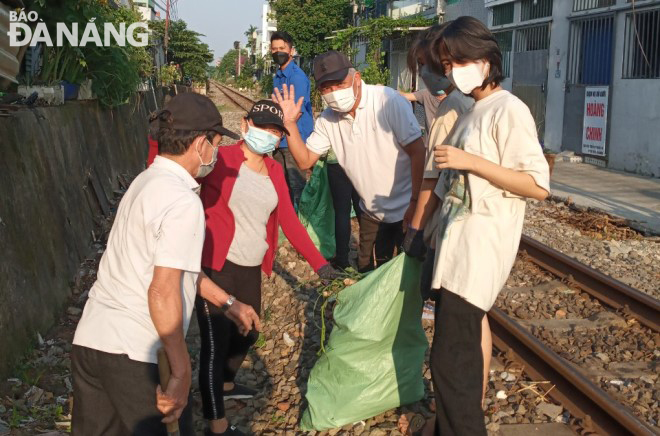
[411, 424]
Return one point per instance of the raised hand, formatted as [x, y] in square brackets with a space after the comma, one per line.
[287, 101]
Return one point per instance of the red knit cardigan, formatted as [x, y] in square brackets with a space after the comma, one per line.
[221, 227]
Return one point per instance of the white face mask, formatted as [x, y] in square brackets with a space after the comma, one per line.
[206, 168]
[341, 100]
[469, 76]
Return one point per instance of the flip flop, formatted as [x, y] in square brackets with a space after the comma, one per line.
[413, 423]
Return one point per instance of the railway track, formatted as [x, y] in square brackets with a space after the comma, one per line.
[571, 386]
[236, 97]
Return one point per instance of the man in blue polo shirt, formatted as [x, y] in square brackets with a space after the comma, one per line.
[281, 47]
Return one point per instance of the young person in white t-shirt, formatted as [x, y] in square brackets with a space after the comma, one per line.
[490, 163]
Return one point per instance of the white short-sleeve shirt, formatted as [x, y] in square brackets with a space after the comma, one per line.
[370, 148]
[160, 222]
[476, 256]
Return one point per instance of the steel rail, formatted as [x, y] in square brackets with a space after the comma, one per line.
[234, 96]
[572, 389]
[643, 307]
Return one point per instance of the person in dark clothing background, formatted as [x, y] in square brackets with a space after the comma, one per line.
[344, 199]
[288, 73]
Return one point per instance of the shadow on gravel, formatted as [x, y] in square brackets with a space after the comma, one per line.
[239, 412]
[306, 292]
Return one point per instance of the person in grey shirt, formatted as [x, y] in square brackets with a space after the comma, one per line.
[429, 101]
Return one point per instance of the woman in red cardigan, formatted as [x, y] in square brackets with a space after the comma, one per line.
[246, 200]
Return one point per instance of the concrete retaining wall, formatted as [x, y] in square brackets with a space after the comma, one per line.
[50, 160]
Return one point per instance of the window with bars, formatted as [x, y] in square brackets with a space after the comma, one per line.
[533, 9]
[590, 51]
[641, 47]
[505, 41]
[533, 38]
[585, 5]
[503, 14]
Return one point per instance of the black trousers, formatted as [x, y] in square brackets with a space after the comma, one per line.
[295, 179]
[223, 347]
[343, 197]
[379, 239]
[457, 367]
[427, 276]
[114, 395]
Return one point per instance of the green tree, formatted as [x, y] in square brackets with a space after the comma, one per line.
[184, 48]
[374, 31]
[115, 71]
[309, 22]
[228, 63]
[252, 41]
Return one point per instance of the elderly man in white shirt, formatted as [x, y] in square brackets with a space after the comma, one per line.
[378, 142]
[145, 290]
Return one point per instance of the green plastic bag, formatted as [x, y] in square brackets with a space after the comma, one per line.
[316, 212]
[375, 353]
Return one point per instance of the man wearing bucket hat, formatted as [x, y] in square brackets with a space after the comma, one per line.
[146, 284]
[377, 141]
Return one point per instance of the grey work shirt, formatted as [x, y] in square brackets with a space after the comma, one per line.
[430, 103]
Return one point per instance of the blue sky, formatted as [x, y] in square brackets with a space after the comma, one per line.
[222, 21]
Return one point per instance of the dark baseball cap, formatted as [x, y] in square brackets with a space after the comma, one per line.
[267, 112]
[331, 65]
[191, 111]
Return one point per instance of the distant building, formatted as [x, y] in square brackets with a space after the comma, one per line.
[457, 8]
[146, 8]
[396, 48]
[589, 70]
[268, 27]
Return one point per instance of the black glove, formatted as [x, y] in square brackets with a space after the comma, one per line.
[413, 243]
[327, 272]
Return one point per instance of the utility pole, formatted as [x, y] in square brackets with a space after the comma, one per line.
[237, 46]
[167, 27]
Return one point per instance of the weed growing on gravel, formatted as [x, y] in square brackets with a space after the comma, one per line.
[30, 376]
[261, 342]
[276, 419]
[268, 313]
[329, 291]
[16, 418]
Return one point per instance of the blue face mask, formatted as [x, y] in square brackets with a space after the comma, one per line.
[260, 141]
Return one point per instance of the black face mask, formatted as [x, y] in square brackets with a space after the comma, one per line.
[280, 58]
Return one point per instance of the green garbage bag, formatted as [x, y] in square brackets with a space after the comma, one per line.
[316, 212]
[373, 359]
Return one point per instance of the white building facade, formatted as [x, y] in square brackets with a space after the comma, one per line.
[146, 8]
[590, 72]
[268, 27]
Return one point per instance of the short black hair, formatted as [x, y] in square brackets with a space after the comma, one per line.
[420, 46]
[282, 36]
[467, 39]
[172, 141]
